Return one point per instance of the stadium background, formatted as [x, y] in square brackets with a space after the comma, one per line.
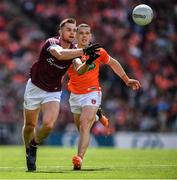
[148, 54]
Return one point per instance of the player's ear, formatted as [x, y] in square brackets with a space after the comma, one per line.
[59, 32]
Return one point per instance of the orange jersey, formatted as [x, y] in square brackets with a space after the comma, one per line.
[89, 81]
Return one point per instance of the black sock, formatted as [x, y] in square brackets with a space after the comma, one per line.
[99, 112]
[27, 150]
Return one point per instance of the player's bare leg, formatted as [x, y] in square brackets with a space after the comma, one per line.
[77, 120]
[76, 160]
[30, 121]
[87, 119]
[50, 112]
[99, 117]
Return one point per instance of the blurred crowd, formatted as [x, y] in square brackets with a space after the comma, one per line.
[148, 54]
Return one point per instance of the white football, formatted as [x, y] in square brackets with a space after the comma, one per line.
[142, 14]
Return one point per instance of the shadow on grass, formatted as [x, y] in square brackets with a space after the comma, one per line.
[71, 170]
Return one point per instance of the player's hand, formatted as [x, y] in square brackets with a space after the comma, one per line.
[92, 58]
[134, 84]
[91, 49]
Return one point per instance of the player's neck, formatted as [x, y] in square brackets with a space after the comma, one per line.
[80, 46]
[65, 44]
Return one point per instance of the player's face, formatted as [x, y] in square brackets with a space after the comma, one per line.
[83, 36]
[68, 32]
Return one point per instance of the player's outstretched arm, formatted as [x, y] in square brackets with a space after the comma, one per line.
[118, 69]
[67, 54]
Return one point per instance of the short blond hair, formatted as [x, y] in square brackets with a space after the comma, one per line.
[83, 25]
[67, 20]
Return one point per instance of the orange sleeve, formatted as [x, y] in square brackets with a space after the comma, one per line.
[104, 58]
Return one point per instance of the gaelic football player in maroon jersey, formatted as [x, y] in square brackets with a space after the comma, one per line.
[43, 89]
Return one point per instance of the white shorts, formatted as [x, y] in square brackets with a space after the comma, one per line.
[78, 101]
[34, 96]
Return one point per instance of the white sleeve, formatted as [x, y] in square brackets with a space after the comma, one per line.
[55, 45]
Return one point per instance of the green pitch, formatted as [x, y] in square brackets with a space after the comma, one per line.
[99, 163]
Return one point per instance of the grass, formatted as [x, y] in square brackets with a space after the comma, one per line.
[99, 163]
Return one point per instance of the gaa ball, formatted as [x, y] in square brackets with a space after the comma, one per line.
[142, 14]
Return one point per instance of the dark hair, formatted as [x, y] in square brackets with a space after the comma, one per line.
[68, 20]
[82, 25]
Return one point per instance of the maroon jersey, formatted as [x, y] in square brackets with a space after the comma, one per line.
[47, 72]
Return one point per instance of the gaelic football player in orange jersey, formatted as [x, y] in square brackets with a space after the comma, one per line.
[85, 97]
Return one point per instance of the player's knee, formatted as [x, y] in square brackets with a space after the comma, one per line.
[29, 127]
[84, 130]
[48, 126]
[84, 127]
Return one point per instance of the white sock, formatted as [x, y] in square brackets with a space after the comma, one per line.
[96, 118]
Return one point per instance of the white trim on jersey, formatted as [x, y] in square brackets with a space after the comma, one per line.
[55, 45]
[52, 41]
